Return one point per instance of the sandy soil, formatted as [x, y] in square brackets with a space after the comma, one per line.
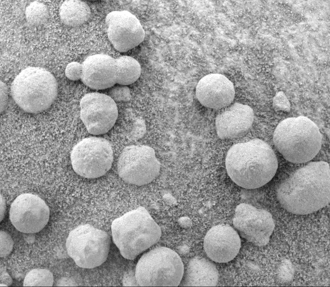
[261, 46]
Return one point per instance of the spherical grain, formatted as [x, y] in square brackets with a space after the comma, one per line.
[74, 13]
[36, 13]
[6, 244]
[92, 157]
[34, 89]
[39, 277]
[298, 139]
[128, 70]
[222, 243]
[29, 213]
[73, 71]
[215, 91]
[3, 97]
[251, 164]
[159, 267]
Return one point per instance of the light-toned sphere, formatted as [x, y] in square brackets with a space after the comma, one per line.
[281, 103]
[215, 91]
[88, 246]
[185, 222]
[92, 157]
[98, 112]
[235, 122]
[128, 70]
[3, 207]
[222, 243]
[99, 72]
[138, 165]
[124, 30]
[3, 97]
[73, 71]
[306, 190]
[39, 277]
[135, 232]
[120, 94]
[285, 272]
[34, 89]
[251, 164]
[74, 13]
[159, 267]
[36, 13]
[6, 244]
[298, 139]
[29, 213]
[66, 281]
[200, 272]
[6, 279]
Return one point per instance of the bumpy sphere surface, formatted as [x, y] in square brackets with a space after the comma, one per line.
[6, 244]
[29, 213]
[215, 91]
[307, 190]
[298, 139]
[159, 267]
[135, 232]
[255, 225]
[88, 246]
[251, 164]
[2, 207]
[3, 97]
[34, 89]
[99, 72]
[128, 70]
[138, 165]
[235, 122]
[92, 157]
[74, 13]
[39, 277]
[98, 112]
[73, 71]
[36, 14]
[124, 30]
[222, 243]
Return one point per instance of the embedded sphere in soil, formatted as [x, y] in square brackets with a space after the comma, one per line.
[159, 267]
[36, 13]
[92, 157]
[222, 243]
[306, 190]
[73, 71]
[74, 13]
[98, 112]
[6, 244]
[88, 246]
[125, 31]
[128, 70]
[251, 164]
[138, 165]
[29, 213]
[34, 89]
[298, 139]
[215, 91]
[39, 277]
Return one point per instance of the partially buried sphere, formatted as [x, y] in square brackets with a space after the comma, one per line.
[39, 277]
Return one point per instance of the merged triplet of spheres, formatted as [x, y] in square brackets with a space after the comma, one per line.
[159, 267]
[101, 71]
[125, 31]
[34, 89]
[251, 164]
[29, 213]
[92, 157]
[215, 91]
[298, 139]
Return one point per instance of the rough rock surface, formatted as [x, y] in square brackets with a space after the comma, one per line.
[73, 71]
[74, 13]
[255, 225]
[200, 272]
[159, 267]
[307, 190]
[6, 244]
[222, 243]
[285, 272]
[34, 89]
[36, 13]
[135, 232]
[125, 31]
[215, 91]
[120, 94]
[92, 157]
[138, 165]
[251, 164]
[281, 103]
[298, 139]
[3, 97]
[235, 122]
[88, 246]
[29, 213]
[39, 277]
[98, 112]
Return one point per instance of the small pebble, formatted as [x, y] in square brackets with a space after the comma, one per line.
[183, 249]
[3, 97]
[139, 129]
[285, 272]
[39, 277]
[169, 199]
[29, 238]
[185, 222]
[120, 94]
[281, 103]
[36, 14]
[2, 207]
